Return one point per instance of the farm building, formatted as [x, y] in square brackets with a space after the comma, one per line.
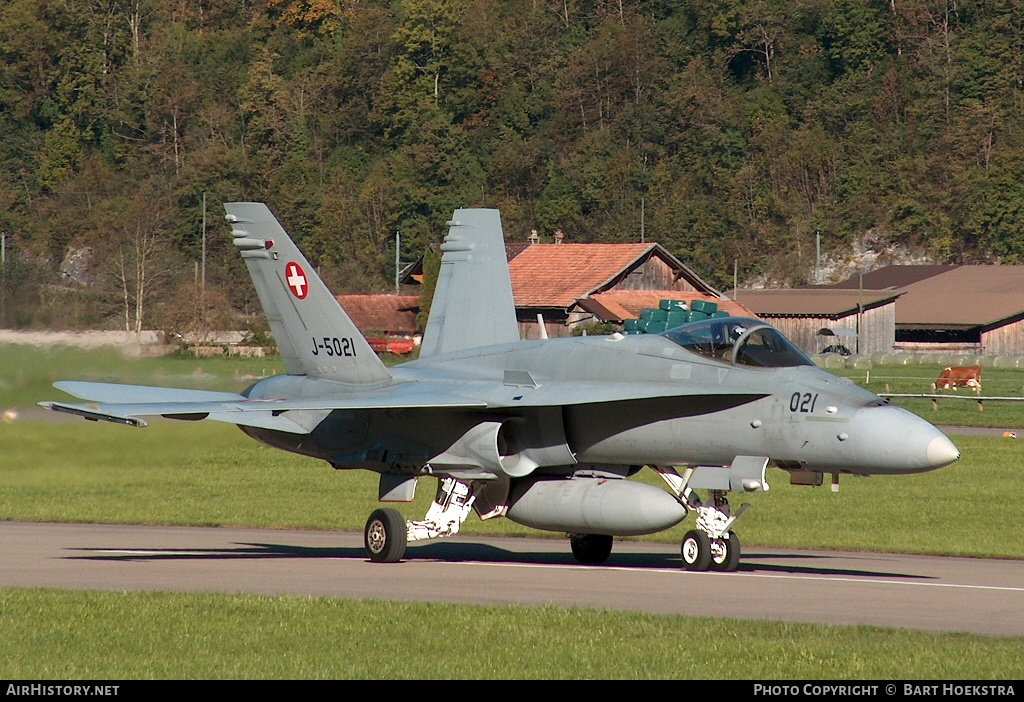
[976, 309]
[801, 314]
[560, 281]
[958, 309]
[887, 278]
[387, 321]
[569, 285]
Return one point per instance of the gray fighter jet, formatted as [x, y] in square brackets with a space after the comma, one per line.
[547, 432]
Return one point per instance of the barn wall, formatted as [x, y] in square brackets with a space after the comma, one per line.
[1007, 340]
[654, 274]
[878, 330]
[555, 323]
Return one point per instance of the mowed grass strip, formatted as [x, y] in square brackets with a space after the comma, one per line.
[111, 636]
[952, 407]
[210, 474]
[27, 373]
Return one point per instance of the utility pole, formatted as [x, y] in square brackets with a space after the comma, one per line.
[3, 277]
[860, 308]
[203, 278]
[642, 220]
[399, 263]
[817, 258]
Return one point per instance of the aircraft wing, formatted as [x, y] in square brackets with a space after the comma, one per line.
[124, 404]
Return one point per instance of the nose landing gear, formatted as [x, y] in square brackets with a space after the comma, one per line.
[713, 545]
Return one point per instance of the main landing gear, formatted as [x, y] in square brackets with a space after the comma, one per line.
[387, 533]
[385, 536]
[591, 548]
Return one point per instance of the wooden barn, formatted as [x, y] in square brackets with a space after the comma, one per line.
[801, 314]
[975, 309]
[556, 280]
[953, 309]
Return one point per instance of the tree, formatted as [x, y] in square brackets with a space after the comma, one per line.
[136, 259]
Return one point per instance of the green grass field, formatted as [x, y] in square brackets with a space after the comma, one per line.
[27, 373]
[959, 407]
[204, 473]
[92, 636]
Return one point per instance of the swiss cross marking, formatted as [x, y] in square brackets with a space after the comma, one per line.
[296, 279]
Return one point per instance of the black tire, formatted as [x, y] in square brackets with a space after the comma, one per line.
[591, 548]
[385, 536]
[730, 560]
[696, 550]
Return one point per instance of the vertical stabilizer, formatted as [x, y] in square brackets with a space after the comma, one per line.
[313, 333]
[472, 303]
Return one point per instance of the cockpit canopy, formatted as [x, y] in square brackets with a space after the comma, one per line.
[739, 340]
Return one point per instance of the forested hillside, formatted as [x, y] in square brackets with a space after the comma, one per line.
[727, 130]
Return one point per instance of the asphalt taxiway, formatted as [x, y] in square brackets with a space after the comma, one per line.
[929, 593]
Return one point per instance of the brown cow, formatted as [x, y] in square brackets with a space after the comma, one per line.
[966, 376]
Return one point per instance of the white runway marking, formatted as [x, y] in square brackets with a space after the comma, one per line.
[769, 576]
[142, 552]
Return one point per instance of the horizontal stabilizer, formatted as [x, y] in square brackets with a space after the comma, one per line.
[123, 404]
[118, 393]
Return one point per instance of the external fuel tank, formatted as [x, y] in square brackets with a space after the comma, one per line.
[617, 507]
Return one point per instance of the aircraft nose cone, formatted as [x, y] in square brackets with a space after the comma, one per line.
[941, 452]
[891, 439]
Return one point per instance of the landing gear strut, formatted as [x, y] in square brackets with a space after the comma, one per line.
[387, 533]
[701, 551]
[714, 521]
[712, 545]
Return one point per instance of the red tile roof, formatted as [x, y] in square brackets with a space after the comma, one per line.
[556, 275]
[391, 314]
[627, 304]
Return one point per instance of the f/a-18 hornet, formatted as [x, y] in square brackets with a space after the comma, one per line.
[545, 432]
